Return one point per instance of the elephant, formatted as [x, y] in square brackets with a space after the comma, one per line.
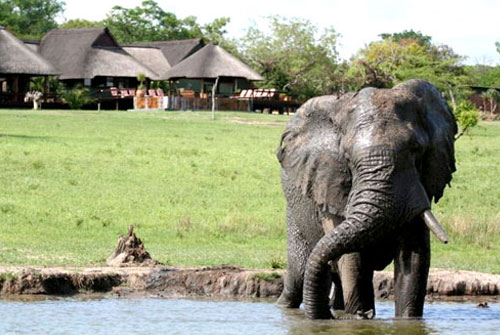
[359, 173]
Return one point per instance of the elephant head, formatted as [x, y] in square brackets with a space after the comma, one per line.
[376, 158]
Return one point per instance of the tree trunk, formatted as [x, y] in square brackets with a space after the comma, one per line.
[453, 102]
[214, 89]
[130, 251]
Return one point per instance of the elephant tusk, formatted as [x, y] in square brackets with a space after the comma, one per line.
[434, 226]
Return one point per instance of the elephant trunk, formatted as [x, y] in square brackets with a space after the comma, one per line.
[348, 237]
[369, 208]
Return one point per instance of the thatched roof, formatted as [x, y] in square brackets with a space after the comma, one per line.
[175, 51]
[89, 52]
[211, 62]
[32, 44]
[114, 62]
[153, 58]
[17, 58]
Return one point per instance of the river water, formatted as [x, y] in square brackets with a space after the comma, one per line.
[147, 315]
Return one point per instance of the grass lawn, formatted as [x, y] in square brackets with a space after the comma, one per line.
[199, 192]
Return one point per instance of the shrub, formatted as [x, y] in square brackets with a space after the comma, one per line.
[77, 97]
[467, 116]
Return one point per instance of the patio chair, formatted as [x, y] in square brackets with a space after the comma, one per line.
[124, 92]
[132, 92]
[113, 91]
[249, 94]
[160, 92]
[152, 92]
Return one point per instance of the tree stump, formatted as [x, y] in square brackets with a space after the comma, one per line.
[130, 251]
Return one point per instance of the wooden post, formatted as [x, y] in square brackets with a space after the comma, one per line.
[15, 88]
[214, 89]
[45, 88]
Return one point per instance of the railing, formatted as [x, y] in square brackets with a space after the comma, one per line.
[195, 103]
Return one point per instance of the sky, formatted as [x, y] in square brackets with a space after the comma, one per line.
[470, 28]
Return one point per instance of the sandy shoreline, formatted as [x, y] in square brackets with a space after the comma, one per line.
[217, 282]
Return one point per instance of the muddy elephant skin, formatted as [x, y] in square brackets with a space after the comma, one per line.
[359, 173]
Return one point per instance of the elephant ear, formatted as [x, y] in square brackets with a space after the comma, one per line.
[310, 155]
[438, 162]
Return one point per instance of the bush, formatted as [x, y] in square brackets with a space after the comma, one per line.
[77, 97]
[467, 116]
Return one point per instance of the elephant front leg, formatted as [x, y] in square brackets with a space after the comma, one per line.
[411, 269]
[357, 285]
[304, 231]
[291, 297]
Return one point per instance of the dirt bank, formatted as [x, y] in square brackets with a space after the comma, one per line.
[215, 281]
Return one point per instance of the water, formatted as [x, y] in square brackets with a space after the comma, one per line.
[107, 315]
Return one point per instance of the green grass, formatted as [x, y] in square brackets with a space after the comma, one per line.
[199, 192]
[470, 209]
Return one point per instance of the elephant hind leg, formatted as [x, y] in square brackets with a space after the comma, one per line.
[337, 299]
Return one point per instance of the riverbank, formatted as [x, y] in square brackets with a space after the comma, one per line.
[217, 282]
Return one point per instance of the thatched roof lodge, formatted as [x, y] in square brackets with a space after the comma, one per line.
[152, 57]
[173, 51]
[91, 56]
[210, 63]
[160, 56]
[17, 64]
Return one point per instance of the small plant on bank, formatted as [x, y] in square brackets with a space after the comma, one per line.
[267, 276]
[8, 276]
[77, 97]
[277, 263]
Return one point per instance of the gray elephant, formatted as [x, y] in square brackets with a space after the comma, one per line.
[359, 173]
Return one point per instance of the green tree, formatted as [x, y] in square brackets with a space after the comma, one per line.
[30, 18]
[293, 57]
[484, 75]
[467, 116]
[497, 44]
[408, 35]
[80, 23]
[492, 96]
[388, 62]
[149, 22]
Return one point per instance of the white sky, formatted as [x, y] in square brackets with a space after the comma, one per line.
[469, 27]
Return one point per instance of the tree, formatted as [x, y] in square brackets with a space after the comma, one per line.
[293, 58]
[80, 23]
[492, 96]
[30, 18]
[484, 75]
[408, 35]
[388, 62]
[497, 44]
[467, 116]
[149, 22]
